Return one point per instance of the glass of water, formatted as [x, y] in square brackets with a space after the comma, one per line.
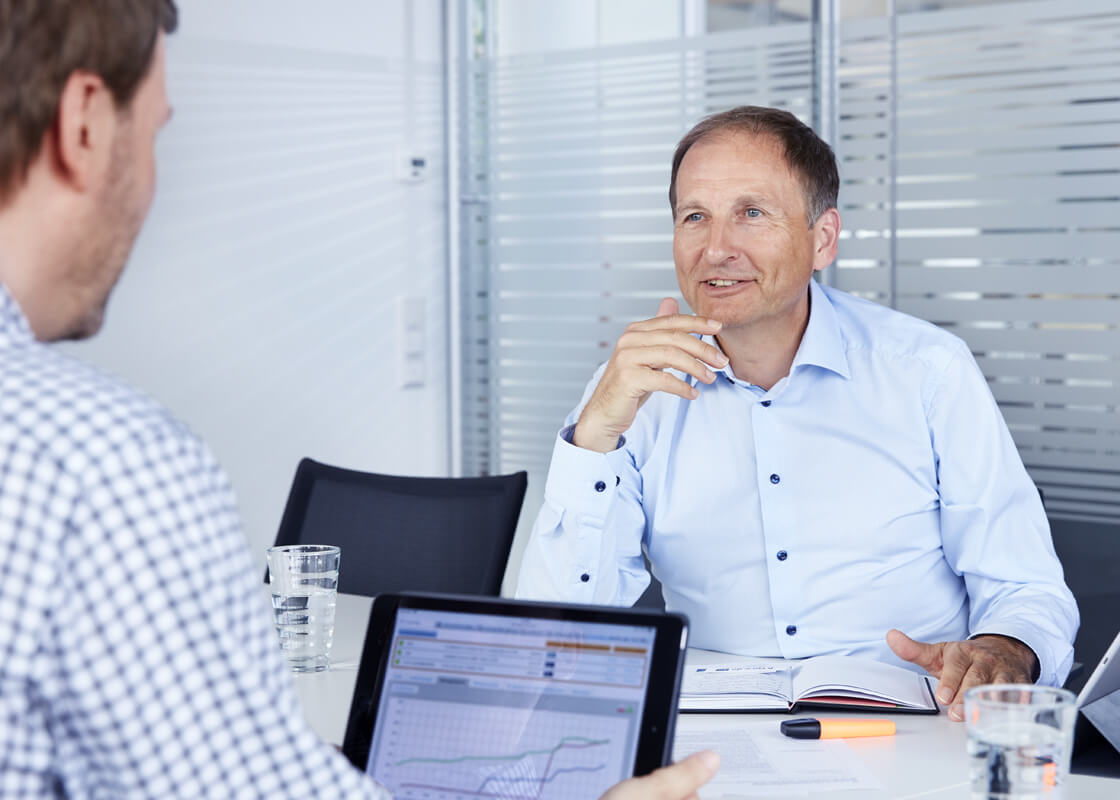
[304, 581]
[1020, 738]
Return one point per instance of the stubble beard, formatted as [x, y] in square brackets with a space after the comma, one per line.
[111, 233]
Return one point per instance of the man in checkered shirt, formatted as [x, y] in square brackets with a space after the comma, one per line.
[137, 656]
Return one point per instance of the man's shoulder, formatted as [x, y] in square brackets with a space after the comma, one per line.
[56, 405]
[870, 326]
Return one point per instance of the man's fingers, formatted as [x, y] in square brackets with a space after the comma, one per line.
[632, 344]
[657, 381]
[668, 307]
[634, 363]
[976, 676]
[958, 666]
[677, 322]
[681, 779]
[925, 655]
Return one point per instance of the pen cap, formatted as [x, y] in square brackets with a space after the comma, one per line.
[801, 728]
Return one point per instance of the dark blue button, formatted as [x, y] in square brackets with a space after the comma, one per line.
[791, 629]
[585, 577]
[617, 480]
[782, 555]
[600, 486]
[766, 403]
[773, 479]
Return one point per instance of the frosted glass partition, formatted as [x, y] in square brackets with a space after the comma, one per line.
[1005, 154]
[980, 167]
[571, 216]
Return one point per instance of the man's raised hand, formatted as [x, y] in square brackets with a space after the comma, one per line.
[637, 367]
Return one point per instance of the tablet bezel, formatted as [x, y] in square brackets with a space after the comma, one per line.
[659, 717]
[1105, 678]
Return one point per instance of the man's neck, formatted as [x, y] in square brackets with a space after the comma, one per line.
[762, 353]
[34, 235]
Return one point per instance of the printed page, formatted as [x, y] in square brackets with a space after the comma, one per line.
[737, 685]
[757, 761]
[863, 678]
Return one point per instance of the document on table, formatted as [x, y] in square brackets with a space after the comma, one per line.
[756, 759]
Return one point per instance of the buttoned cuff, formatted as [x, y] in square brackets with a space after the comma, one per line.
[584, 482]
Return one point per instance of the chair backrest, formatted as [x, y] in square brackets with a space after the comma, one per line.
[403, 533]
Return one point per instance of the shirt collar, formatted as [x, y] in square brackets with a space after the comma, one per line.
[822, 344]
[14, 327]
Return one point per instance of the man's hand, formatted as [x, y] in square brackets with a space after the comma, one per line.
[677, 782]
[636, 370]
[961, 665]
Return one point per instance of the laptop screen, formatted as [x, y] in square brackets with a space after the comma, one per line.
[480, 705]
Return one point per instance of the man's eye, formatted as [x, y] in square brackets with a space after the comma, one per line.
[695, 216]
[754, 212]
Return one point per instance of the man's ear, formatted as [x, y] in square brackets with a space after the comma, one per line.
[826, 238]
[83, 131]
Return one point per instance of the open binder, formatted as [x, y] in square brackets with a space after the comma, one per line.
[844, 683]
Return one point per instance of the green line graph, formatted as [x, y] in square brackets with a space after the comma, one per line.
[567, 741]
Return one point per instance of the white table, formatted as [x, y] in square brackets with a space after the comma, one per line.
[925, 759]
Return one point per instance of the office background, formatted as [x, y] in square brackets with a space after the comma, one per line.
[298, 292]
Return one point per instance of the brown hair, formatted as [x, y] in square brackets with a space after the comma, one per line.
[807, 154]
[42, 42]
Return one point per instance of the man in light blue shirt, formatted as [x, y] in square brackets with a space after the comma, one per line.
[807, 471]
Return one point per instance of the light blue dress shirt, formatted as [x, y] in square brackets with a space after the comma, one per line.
[874, 487]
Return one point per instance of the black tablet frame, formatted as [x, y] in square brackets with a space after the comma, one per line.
[659, 717]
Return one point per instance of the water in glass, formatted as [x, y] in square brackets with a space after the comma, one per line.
[305, 624]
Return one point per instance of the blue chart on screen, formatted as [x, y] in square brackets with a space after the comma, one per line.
[474, 706]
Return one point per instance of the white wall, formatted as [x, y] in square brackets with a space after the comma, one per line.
[260, 303]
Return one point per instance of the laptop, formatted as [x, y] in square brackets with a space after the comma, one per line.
[485, 697]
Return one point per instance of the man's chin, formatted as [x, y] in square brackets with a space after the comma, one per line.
[84, 328]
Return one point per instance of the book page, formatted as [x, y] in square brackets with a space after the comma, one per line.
[738, 679]
[863, 678]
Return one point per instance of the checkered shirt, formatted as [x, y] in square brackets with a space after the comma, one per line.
[137, 654]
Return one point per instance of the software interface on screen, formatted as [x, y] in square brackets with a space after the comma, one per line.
[479, 705]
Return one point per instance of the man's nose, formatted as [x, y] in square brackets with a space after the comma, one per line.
[721, 243]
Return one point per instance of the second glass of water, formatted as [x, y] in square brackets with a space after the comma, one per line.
[304, 583]
[1020, 738]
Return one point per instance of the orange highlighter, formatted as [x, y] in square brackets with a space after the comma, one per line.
[809, 728]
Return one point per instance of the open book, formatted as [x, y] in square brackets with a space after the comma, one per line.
[839, 682]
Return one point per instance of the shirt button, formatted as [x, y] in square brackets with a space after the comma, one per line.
[585, 577]
[617, 480]
[782, 555]
[773, 478]
[600, 486]
[765, 404]
[791, 629]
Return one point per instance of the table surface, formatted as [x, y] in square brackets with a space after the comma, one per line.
[925, 759]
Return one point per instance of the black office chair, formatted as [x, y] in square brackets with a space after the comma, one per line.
[402, 533]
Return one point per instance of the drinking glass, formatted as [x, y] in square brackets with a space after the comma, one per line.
[304, 582]
[1020, 738]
